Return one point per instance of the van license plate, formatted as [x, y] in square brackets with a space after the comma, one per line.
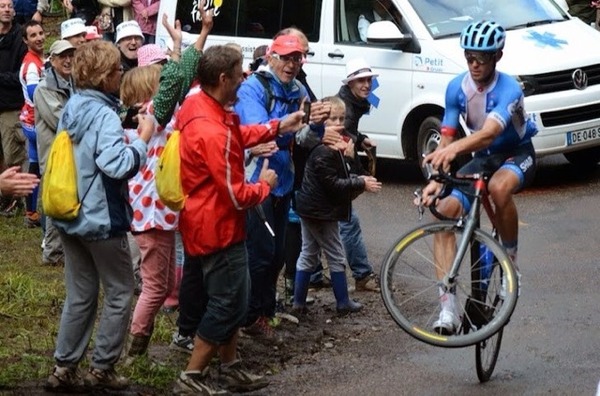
[582, 136]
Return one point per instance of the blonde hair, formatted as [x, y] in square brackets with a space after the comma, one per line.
[335, 101]
[140, 84]
[93, 63]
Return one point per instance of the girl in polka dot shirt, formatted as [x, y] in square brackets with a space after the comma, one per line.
[154, 225]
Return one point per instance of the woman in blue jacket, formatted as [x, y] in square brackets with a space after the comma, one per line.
[95, 243]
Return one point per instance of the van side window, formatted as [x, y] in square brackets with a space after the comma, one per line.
[353, 18]
[254, 18]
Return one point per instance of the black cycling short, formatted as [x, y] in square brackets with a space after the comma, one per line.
[521, 161]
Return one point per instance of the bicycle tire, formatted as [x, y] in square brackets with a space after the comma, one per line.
[486, 355]
[486, 351]
[410, 288]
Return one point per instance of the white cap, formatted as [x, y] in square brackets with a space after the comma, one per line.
[128, 28]
[358, 68]
[72, 27]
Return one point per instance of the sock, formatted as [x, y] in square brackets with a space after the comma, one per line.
[511, 250]
[447, 300]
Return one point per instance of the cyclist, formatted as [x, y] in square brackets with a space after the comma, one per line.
[491, 104]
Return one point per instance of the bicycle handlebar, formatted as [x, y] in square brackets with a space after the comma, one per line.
[448, 181]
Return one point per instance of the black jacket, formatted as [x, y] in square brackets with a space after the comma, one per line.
[12, 52]
[355, 108]
[86, 10]
[328, 188]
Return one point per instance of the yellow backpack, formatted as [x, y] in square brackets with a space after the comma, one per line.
[59, 184]
[167, 174]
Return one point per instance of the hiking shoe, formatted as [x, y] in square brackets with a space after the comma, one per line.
[182, 343]
[234, 379]
[105, 379]
[261, 329]
[368, 284]
[447, 323]
[196, 383]
[32, 220]
[64, 380]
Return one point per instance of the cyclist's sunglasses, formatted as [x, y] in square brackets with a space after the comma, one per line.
[482, 58]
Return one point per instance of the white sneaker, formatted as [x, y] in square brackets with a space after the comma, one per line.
[503, 289]
[447, 323]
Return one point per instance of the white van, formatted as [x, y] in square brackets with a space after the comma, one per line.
[553, 55]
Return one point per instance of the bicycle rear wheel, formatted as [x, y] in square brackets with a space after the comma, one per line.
[488, 288]
[410, 288]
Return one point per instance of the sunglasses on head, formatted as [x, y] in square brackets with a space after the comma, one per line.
[481, 58]
[296, 58]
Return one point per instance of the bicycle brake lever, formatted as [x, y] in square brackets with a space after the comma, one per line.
[418, 193]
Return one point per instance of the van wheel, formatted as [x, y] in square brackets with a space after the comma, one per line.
[429, 136]
[586, 158]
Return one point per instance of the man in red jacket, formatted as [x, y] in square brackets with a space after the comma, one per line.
[215, 285]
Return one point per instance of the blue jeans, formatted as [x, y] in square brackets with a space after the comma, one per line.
[266, 255]
[214, 294]
[356, 251]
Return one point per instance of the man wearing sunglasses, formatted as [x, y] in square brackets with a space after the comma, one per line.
[499, 136]
[273, 91]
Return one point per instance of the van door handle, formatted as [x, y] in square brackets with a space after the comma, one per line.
[335, 55]
[310, 53]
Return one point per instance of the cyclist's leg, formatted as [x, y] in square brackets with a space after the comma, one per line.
[514, 174]
[444, 248]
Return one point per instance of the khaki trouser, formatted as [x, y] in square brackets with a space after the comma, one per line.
[12, 140]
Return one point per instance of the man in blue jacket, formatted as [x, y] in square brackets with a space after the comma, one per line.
[272, 92]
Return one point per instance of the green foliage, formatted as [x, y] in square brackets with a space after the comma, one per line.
[31, 300]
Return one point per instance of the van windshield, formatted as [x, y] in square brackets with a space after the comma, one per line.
[446, 18]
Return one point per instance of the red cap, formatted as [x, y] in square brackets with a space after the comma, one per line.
[286, 44]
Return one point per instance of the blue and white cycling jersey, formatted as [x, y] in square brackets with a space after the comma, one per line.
[502, 101]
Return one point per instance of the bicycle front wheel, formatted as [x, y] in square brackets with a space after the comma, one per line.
[411, 276]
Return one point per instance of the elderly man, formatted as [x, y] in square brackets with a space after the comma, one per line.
[12, 52]
[49, 99]
[272, 92]
[129, 39]
[74, 31]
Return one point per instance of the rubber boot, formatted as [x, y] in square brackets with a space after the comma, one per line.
[340, 290]
[300, 291]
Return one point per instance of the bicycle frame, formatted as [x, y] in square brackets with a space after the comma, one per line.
[471, 222]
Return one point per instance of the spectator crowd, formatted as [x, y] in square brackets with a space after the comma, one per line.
[269, 172]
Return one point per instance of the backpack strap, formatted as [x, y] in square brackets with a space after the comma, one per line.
[271, 98]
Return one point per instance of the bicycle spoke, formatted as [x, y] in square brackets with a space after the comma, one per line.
[411, 289]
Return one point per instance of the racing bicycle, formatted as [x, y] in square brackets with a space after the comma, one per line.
[481, 275]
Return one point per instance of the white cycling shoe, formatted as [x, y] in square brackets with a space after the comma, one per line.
[447, 324]
[503, 288]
